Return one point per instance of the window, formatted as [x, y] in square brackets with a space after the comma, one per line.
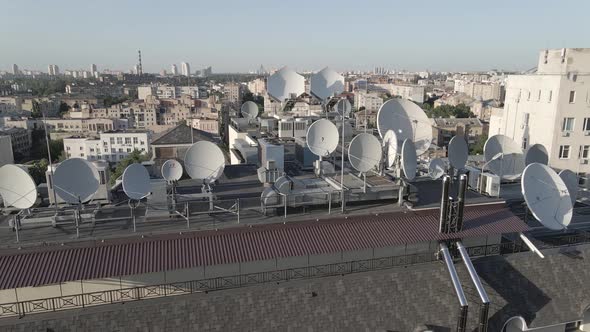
[128, 149]
[106, 150]
[528, 96]
[524, 143]
[584, 151]
[68, 148]
[142, 143]
[105, 143]
[586, 127]
[539, 96]
[568, 124]
[119, 140]
[81, 148]
[113, 150]
[127, 140]
[112, 140]
[134, 140]
[91, 149]
[81, 154]
[120, 150]
[564, 152]
[550, 95]
[572, 97]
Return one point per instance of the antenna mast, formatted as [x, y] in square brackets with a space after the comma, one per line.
[139, 68]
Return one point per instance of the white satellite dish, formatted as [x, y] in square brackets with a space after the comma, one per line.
[536, 154]
[364, 152]
[390, 147]
[75, 180]
[407, 120]
[204, 161]
[409, 159]
[547, 196]
[571, 182]
[249, 110]
[343, 107]
[458, 152]
[171, 170]
[284, 83]
[136, 182]
[436, 168]
[326, 83]
[17, 188]
[504, 157]
[322, 137]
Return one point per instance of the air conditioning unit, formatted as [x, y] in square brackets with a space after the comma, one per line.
[491, 184]
[565, 133]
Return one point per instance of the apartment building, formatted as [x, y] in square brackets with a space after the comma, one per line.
[20, 139]
[371, 101]
[109, 146]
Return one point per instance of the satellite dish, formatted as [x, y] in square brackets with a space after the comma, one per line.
[407, 120]
[285, 82]
[409, 159]
[390, 147]
[571, 182]
[75, 180]
[326, 83]
[504, 157]
[249, 110]
[322, 137]
[204, 161]
[136, 181]
[436, 168]
[283, 185]
[536, 154]
[17, 188]
[171, 170]
[343, 107]
[458, 152]
[364, 152]
[547, 196]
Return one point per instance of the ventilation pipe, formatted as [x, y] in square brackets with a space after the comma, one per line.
[463, 310]
[483, 295]
[444, 205]
[463, 180]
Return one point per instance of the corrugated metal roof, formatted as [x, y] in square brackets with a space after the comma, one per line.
[244, 244]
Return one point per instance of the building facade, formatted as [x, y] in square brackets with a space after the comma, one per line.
[109, 146]
[20, 139]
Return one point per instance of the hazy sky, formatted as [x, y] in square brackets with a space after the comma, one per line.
[305, 34]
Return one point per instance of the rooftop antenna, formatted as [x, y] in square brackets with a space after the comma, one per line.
[17, 189]
[285, 83]
[364, 154]
[140, 68]
[76, 181]
[536, 153]
[458, 152]
[172, 172]
[136, 185]
[325, 84]
[322, 140]
[204, 161]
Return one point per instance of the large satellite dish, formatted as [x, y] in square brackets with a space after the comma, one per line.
[536, 154]
[136, 181]
[364, 152]
[249, 110]
[458, 152]
[75, 180]
[17, 187]
[322, 137]
[571, 182]
[504, 157]
[436, 168]
[204, 161]
[285, 82]
[409, 159]
[343, 107]
[326, 83]
[407, 120]
[171, 170]
[547, 196]
[390, 147]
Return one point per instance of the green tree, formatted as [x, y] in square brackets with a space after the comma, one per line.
[134, 157]
[38, 169]
[36, 111]
[477, 148]
[63, 108]
[447, 111]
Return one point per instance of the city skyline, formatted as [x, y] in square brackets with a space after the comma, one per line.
[236, 37]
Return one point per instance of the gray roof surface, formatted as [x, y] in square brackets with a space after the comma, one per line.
[181, 134]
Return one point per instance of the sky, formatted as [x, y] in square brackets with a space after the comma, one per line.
[238, 36]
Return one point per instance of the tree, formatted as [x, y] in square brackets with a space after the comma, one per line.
[63, 108]
[36, 111]
[134, 157]
[477, 148]
[447, 111]
[38, 169]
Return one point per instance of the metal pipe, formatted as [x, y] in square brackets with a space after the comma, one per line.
[444, 205]
[483, 295]
[462, 321]
[531, 245]
[50, 163]
[342, 167]
[463, 180]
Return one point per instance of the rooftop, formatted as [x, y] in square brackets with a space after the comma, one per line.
[181, 135]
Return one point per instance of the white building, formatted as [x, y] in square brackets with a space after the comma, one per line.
[110, 146]
[53, 70]
[371, 101]
[412, 92]
[174, 70]
[167, 91]
[551, 107]
[186, 69]
[93, 69]
[257, 86]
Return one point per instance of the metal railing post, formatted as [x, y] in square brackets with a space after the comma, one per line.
[285, 203]
[238, 207]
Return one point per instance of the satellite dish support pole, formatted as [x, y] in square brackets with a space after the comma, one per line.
[343, 203]
[50, 162]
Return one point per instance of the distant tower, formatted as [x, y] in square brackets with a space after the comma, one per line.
[139, 67]
[15, 69]
[186, 69]
[93, 69]
[174, 70]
